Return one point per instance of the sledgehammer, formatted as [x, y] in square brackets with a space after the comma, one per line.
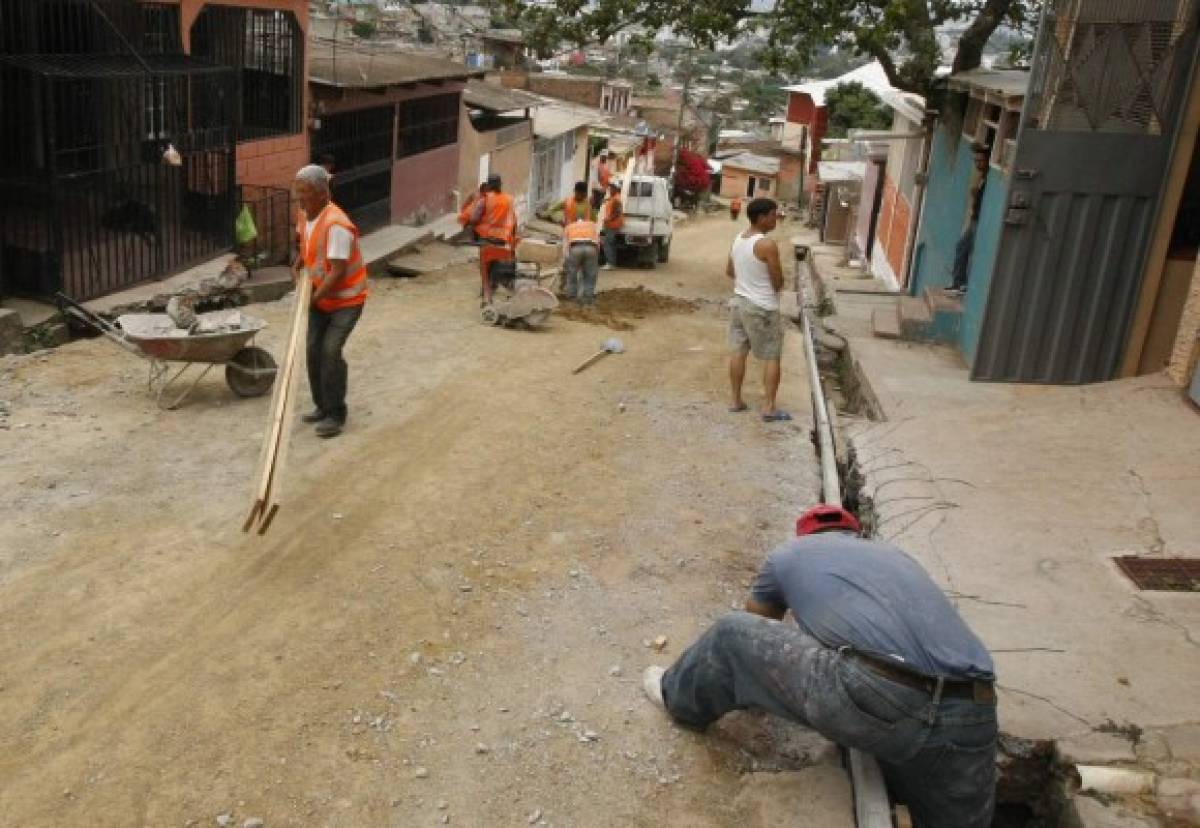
[611, 346]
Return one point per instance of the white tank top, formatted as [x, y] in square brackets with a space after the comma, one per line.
[752, 280]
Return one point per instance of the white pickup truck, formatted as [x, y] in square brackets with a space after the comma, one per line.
[649, 219]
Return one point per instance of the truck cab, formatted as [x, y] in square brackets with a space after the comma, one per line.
[649, 219]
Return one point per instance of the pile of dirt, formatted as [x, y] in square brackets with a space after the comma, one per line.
[636, 303]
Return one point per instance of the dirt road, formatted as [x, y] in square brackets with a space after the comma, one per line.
[445, 623]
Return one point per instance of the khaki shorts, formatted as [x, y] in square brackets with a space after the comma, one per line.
[755, 329]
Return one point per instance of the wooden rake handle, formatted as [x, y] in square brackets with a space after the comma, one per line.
[592, 360]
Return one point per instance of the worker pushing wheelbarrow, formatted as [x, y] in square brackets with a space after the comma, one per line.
[210, 339]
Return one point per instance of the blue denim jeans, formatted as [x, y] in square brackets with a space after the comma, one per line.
[583, 262]
[609, 239]
[327, 371]
[940, 761]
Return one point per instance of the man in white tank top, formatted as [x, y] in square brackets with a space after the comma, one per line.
[754, 322]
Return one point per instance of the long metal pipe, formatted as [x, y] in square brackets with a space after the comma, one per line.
[831, 489]
[872, 808]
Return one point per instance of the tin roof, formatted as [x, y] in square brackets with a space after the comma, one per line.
[549, 121]
[750, 162]
[480, 94]
[1005, 83]
[870, 75]
[355, 68]
[833, 172]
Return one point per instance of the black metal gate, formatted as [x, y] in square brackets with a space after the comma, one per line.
[1104, 104]
[92, 202]
[361, 144]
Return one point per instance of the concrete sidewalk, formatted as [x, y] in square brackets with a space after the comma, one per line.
[1016, 498]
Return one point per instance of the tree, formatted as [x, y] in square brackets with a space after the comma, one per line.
[851, 105]
[691, 175]
[795, 30]
[364, 29]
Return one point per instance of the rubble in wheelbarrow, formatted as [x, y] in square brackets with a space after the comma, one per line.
[160, 325]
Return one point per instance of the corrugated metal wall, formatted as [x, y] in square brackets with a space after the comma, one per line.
[1096, 135]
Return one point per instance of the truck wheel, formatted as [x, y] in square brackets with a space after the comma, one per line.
[664, 251]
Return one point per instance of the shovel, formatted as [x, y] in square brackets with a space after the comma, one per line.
[611, 346]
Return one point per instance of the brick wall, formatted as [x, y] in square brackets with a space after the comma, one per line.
[895, 216]
[580, 90]
[272, 162]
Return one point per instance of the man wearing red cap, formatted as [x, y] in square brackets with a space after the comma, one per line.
[878, 660]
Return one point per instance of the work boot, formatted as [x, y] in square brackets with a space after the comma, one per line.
[329, 427]
[652, 683]
[314, 416]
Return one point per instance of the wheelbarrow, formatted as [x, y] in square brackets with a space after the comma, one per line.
[217, 338]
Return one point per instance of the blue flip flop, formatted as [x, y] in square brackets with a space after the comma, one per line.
[776, 417]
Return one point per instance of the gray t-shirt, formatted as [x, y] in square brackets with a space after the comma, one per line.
[873, 598]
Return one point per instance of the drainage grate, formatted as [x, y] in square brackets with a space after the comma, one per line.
[1162, 574]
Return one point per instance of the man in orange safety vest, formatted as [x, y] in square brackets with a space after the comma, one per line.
[330, 257]
[582, 239]
[494, 220]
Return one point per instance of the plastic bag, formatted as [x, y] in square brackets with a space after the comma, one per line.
[244, 229]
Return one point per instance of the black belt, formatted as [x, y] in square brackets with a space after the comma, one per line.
[588, 243]
[976, 690]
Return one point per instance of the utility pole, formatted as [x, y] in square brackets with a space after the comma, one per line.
[687, 81]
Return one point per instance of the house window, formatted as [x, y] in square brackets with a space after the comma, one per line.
[427, 123]
[764, 184]
[267, 49]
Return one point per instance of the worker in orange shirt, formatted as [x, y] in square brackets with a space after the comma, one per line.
[464, 215]
[735, 208]
[574, 207]
[494, 219]
[613, 219]
[601, 179]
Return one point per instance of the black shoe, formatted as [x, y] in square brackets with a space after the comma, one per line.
[329, 427]
[314, 416]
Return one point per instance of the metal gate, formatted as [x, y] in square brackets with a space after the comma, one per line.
[1105, 99]
[361, 144]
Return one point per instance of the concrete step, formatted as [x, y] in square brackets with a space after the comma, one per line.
[946, 312]
[914, 318]
[431, 259]
[886, 323]
[939, 302]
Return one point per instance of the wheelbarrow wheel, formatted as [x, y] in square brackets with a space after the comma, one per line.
[251, 372]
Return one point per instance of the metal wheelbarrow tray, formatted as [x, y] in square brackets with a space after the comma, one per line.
[219, 338]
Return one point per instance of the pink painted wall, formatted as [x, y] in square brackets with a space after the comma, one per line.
[427, 180]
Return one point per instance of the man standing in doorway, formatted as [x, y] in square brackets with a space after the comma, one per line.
[755, 324]
[966, 242]
[878, 660]
[329, 256]
[614, 219]
[494, 220]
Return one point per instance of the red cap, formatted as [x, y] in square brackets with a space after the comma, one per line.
[824, 518]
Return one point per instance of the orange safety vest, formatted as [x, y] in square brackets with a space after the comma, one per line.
[351, 289]
[571, 211]
[613, 222]
[582, 231]
[464, 215]
[499, 220]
